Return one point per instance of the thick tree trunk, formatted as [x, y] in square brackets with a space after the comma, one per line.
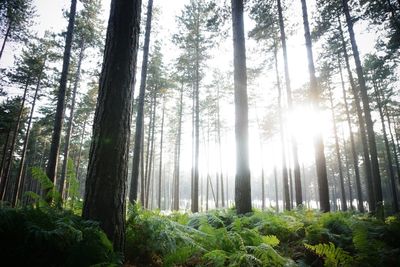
[106, 179]
[62, 188]
[139, 117]
[161, 155]
[296, 165]
[368, 120]
[6, 173]
[360, 205]
[387, 150]
[20, 176]
[242, 179]
[320, 160]
[338, 155]
[285, 179]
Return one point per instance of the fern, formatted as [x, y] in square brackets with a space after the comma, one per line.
[334, 256]
[271, 240]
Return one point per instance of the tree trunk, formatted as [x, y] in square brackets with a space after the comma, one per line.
[296, 165]
[368, 120]
[262, 190]
[19, 178]
[387, 149]
[5, 39]
[70, 123]
[78, 162]
[360, 205]
[52, 163]
[320, 160]
[106, 179]
[338, 155]
[5, 150]
[151, 152]
[276, 190]
[242, 179]
[285, 179]
[6, 173]
[178, 152]
[348, 173]
[139, 117]
[161, 155]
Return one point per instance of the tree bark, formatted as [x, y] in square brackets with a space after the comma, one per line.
[296, 165]
[52, 163]
[106, 179]
[376, 176]
[320, 160]
[151, 152]
[139, 117]
[242, 179]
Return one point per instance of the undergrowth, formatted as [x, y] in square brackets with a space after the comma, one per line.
[296, 238]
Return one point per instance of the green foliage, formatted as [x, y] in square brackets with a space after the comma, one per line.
[47, 186]
[50, 237]
[334, 256]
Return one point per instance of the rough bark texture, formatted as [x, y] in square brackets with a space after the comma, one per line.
[242, 179]
[376, 176]
[320, 160]
[106, 179]
[296, 165]
[139, 117]
[52, 163]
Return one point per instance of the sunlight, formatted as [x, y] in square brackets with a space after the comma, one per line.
[305, 123]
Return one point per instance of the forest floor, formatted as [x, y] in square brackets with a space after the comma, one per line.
[51, 237]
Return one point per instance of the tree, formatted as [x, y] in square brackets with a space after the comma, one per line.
[242, 178]
[315, 99]
[197, 27]
[105, 183]
[38, 56]
[51, 170]
[88, 33]
[139, 115]
[367, 112]
[15, 18]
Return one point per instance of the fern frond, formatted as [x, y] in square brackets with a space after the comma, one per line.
[334, 256]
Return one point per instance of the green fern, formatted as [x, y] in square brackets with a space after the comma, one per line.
[334, 256]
